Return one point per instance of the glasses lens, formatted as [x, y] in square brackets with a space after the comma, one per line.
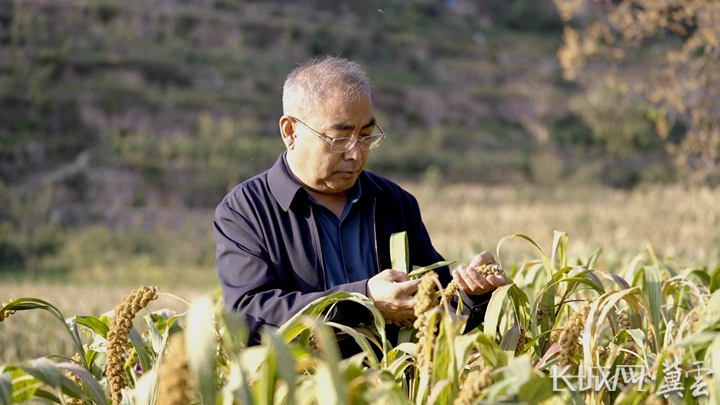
[372, 141]
[342, 144]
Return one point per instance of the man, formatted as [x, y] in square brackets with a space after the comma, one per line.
[316, 223]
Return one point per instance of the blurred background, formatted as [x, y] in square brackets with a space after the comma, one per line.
[124, 123]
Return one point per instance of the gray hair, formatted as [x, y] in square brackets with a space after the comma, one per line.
[307, 85]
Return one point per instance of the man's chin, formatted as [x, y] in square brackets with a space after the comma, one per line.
[341, 182]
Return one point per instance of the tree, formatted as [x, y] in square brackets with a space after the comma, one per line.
[665, 51]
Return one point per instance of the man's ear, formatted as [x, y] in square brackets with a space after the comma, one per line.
[287, 131]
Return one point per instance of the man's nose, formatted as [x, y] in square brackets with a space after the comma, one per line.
[354, 153]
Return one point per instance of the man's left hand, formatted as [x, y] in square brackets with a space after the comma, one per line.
[474, 283]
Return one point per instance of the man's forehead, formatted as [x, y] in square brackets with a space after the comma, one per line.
[341, 115]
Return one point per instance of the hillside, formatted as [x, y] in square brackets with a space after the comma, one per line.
[121, 105]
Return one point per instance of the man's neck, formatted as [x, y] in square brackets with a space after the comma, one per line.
[333, 202]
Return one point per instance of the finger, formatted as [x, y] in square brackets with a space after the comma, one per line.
[485, 258]
[459, 280]
[480, 259]
[475, 280]
[409, 302]
[406, 288]
[398, 276]
[496, 281]
[475, 261]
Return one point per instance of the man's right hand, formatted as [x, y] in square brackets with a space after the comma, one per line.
[393, 294]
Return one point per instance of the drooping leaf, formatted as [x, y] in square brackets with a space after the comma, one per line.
[95, 324]
[89, 382]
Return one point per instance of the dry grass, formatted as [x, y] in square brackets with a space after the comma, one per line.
[678, 223]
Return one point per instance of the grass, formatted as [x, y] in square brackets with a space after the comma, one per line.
[461, 219]
[678, 223]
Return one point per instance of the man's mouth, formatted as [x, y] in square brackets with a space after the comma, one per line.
[347, 173]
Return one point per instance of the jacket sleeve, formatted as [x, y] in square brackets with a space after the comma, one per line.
[423, 253]
[251, 283]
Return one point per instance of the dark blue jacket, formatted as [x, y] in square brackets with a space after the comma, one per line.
[268, 257]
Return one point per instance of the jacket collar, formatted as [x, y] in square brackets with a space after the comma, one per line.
[286, 189]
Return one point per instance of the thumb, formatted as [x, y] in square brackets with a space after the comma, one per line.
[408, 287]
[397, 276]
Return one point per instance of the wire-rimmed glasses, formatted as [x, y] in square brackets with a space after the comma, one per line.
[344, 144]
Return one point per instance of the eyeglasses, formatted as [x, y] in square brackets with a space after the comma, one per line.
[344, 144]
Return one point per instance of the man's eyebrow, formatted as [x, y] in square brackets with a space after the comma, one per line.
[344, 126]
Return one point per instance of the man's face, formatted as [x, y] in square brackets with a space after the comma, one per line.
[312, 161]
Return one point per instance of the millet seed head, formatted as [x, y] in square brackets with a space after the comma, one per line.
[450, 291]
[476, 381]
[490, 269]
[623, 319]
[522, 342]
[117, 337]
[571, 333]
[427, 295]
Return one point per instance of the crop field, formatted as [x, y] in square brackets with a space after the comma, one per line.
[643, 313]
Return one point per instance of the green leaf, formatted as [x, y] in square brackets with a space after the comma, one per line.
[559, 249]
[95, 324]
[200, 345]
[328, 370]
[422, 270]
[361, 340]
[25, 304]
[46, 371]
[536, 390]
[285, 365]
[40, 393]
[399, 252]
[654, 295]
[711, 313]
[494, 308]
[136, 340]
[5, 389]
[89, 382]
[715, 280]
[712, 359]
[295, 326]
[235, 331]
[444, 362]
[510, 340]
[491, 352]
[23, 386]
[520, 304]
[265, 386]
[545, 260]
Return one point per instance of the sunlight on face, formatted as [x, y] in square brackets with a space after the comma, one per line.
[311, 160]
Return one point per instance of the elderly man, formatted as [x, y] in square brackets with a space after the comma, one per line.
[316, 223]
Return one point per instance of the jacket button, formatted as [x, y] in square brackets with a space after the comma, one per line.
[349, 269]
